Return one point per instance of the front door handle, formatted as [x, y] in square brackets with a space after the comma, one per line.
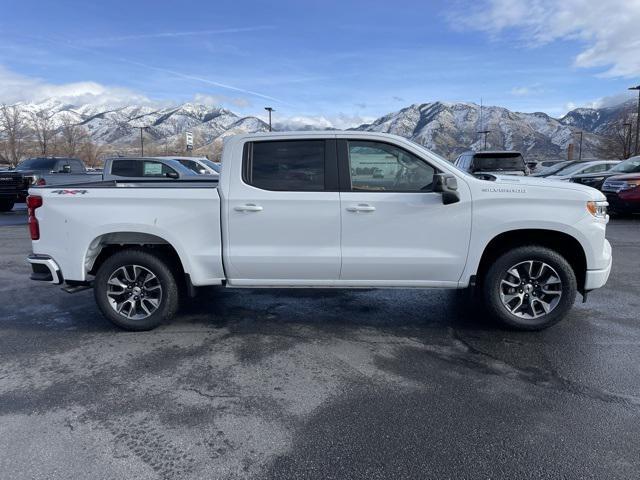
[361, 207]
[248, 207]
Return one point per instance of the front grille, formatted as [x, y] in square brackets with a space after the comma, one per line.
[12, 182]
[614, 186]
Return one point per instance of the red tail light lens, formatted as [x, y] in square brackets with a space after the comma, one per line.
[33, 202]
[41, 181]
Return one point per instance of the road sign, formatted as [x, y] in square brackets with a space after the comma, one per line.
[189, 140]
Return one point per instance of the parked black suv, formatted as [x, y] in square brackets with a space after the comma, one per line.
[499, 163]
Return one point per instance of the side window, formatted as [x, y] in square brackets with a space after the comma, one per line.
[288, 165]
[125, 168]
[76, 165]
[381, 167]
[191, 165]
[155, 169]
[597, 168]
[63, 166]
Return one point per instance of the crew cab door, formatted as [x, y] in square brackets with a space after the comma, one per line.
[395, 229]
[283, 214]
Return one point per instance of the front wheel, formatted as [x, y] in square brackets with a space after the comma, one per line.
[136, 290]
[529, 288]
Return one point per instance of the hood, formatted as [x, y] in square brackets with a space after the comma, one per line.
[540, 182]
[625, 176]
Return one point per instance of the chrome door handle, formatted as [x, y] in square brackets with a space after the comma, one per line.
[248, 207]
[361, 207]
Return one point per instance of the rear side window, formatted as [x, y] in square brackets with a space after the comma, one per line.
[125, 168]
[290, 165]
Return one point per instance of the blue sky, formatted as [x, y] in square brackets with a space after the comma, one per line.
[344, 61]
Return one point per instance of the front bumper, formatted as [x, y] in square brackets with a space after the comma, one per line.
[45, 269]
[597, 278]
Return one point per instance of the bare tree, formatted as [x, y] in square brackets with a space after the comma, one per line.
[616, 141]
[13, 133]
[44, 130]
[90, 152]
[72, 136]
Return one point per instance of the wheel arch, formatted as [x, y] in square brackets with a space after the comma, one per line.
[563, 243]
[105, 245]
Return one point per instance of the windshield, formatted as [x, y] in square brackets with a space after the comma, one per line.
[212, 165]
[551, 169]
[498, 162]
[570, 169]
[37, 164]
[632, 165]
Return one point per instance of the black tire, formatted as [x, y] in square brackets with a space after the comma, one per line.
[6, 205]
[168, 302]
[492, 284]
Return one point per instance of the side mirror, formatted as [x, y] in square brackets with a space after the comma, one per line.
[446, 184]
[173, 175]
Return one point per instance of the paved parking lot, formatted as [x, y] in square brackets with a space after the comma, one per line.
[317, 384]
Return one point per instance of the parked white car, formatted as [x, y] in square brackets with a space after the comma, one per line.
[325, 209]
[583, 168]
[199, 165]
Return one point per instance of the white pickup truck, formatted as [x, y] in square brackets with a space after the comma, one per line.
[324, 209]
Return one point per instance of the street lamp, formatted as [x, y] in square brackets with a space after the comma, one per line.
[637, 87]
[269, 109]
[485, 133]
[141, 140]
[627, 139]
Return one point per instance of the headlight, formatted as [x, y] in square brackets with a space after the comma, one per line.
[598, 209]
[629, 184]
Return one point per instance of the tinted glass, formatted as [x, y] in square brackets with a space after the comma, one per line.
[377, 166]
[126, 168]
[287, 165]
[37, 164]
[76, 165]
[488, 162]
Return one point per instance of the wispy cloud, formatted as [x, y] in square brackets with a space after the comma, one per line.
[188, 33]
[608, 30]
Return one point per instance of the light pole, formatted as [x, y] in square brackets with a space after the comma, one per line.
[637, 87]
[485, 133]
[141, 140]
[580, 153]
[627, 139]
[269, 109]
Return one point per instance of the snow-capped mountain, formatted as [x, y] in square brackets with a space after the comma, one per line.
[451, 128]
[446, 128]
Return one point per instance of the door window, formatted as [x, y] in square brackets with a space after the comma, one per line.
[376, 166]
[290, 165]
[596, 168]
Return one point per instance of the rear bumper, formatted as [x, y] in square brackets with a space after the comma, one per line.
[45, 269]
[597, 278]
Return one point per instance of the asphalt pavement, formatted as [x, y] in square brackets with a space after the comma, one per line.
[322, 384]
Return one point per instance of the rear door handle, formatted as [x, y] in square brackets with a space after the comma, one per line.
[248, 207]
[361, 207]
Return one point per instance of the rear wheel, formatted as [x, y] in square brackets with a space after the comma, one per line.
[530, 288]
[6, 205]
[136, 290]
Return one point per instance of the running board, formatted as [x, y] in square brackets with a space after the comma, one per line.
[76, 287]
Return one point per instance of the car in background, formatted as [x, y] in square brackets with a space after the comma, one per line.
[583, 168]
[553, 168]
[147, 168]
[14, 183]
[596, 180]
[199, 165]
[623, 193]
[492, 162]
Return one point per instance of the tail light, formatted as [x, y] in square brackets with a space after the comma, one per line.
[41, 181]
[33, 202]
